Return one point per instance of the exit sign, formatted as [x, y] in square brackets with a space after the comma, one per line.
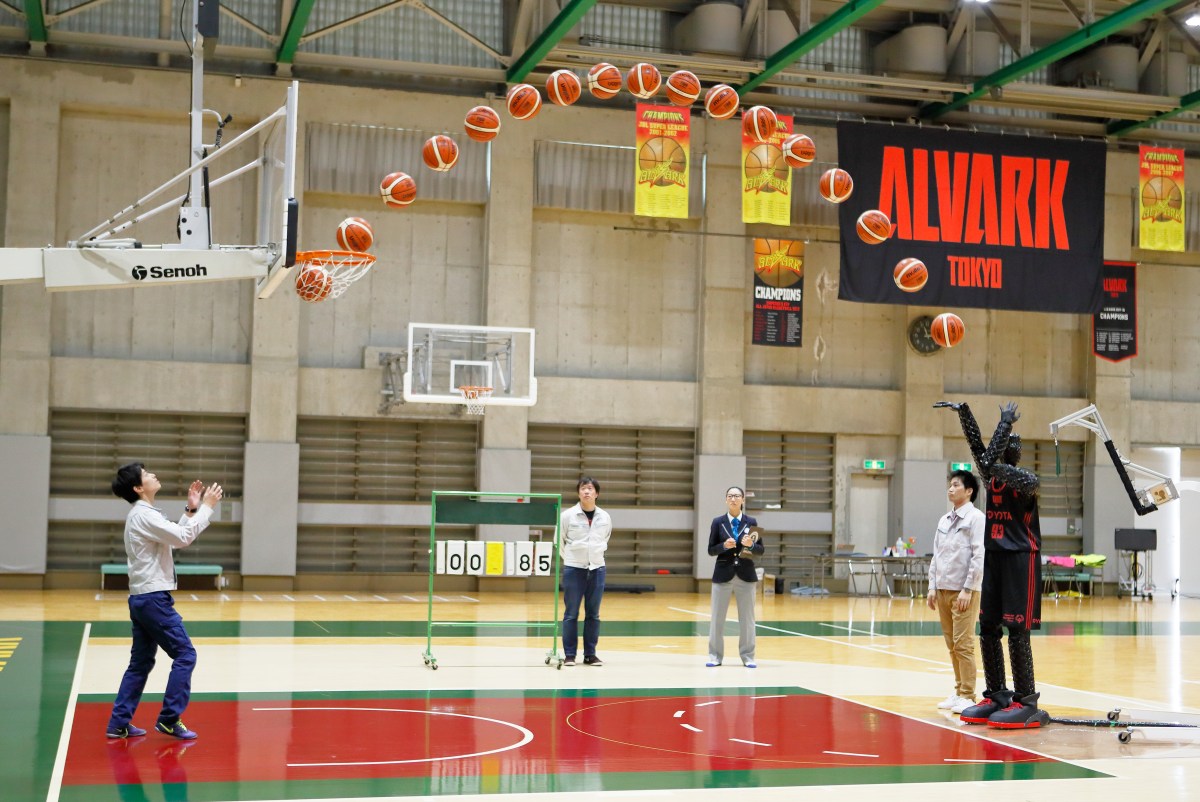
[874, 465]
[960, 466]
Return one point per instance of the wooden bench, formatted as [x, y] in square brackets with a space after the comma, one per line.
[122, 569]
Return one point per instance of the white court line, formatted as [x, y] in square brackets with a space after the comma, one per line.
[319, 598]
[411, 598]
[348, 596]
[195, 597]
[678, 714]
[225, 597]
[963, 760]
[381, 598]
[257, 597]
[852, 629]
[775, 696]
[690, 727]
[60, 758]
[289, 598]
[706, 704]
[440, 598]
[752, 743]
[318, 624]
[849, 754]
[663, 646]
[468, 598]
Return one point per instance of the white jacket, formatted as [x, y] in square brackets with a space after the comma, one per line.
[957, 562]
[149, 539]
[584, 543]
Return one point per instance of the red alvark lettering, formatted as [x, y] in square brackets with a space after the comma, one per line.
[1115, 285]
[1016, 202]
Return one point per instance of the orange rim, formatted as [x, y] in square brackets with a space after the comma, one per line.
[327, 257]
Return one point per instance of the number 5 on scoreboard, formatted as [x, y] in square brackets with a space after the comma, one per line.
[543, 559]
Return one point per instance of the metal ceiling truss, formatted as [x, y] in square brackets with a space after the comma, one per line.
[570, 14]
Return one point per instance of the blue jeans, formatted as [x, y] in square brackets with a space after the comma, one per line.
[581, 585]
[155, 624]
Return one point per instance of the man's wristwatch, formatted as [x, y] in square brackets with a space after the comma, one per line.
[191, 510]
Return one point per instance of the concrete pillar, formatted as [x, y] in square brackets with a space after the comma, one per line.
[25, 342]
[714, 475]
[919, 490]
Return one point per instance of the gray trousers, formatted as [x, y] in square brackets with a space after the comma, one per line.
[744, 592]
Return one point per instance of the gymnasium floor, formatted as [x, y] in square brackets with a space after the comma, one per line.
[324, 696]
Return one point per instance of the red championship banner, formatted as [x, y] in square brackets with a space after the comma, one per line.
[766, 178]
[1161, 190]
[661, 168]
[778, 292]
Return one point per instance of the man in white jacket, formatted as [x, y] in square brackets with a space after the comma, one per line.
[585, 530]
[149, 539]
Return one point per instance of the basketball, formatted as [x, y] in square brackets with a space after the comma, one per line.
[524, 102]
[604, 80]
[355, 234]
[910, 274]
[799, 150]
[873, 227]
[766, 159]
[440, 153]
[313, 284]
[759, 123]
[398, 189]
[563, 88]
[947, 329]
[721, 102]
[482, 123]
[644, 80]
[683, 88]
[1160, 190]
[836, 185]
[659, 151]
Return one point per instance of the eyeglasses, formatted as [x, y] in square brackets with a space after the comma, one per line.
[733, 495]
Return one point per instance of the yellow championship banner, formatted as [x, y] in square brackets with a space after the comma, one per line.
[766, 178]
[1161, 193]
[661, 166]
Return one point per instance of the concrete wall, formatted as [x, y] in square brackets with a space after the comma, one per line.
[634, 328]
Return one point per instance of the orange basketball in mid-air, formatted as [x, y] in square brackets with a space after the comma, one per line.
[947, 329]
[440, 153]
[644, 80]
[604, 80]
[799, 150]
[683, 88]
[873, 227]
[563, 87]
[355, 234]
[482, 123]
[398, 189]
[759, 123]
[835, 185]
[313, 284]
[721, 101]
[524, 102]
[910, 274]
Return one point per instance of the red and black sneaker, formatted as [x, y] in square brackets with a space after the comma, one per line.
[1022, 714]
[993, 702]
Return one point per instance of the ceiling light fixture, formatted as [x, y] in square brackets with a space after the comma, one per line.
[1193, 20]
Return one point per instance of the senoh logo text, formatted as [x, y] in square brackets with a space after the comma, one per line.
[142, 272]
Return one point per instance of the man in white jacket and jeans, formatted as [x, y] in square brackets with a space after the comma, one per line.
[585, 530]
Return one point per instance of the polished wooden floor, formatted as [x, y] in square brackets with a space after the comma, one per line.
[1092, 656]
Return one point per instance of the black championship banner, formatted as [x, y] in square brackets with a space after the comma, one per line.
[1114, 327]
[1001, 222]
[778, 292]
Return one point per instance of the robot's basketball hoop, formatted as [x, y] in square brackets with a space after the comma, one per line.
[475, 398]
[342, 267]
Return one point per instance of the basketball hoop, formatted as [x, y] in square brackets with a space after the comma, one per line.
[343, 268]
[475, 398]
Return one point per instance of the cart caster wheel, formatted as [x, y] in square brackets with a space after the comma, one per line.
[1113, 715]
[433, 666]
[547, 661]
[560, 665]
[425, 660]
[1124, 737]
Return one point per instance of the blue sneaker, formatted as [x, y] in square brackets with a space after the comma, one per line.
[177, 730]
[128, 731]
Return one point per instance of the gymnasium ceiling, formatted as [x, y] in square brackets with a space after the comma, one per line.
[817, 59]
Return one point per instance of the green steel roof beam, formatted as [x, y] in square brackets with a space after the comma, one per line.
[1123, 127]
[571, 13]
[35, 20]
[1051, 53]
[290, 41]
[844, 17]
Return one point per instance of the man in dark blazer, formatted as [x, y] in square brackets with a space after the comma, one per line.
[734, 545]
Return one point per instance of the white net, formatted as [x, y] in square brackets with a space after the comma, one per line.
[475, 399]
[341, 269]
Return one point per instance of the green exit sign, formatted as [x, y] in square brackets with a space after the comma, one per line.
[874, 465]
[960, 466]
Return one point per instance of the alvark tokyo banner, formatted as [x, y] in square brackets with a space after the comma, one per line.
[661, 168]
[1001, 222]
[1161, 190]
[766, 178]
[1114, 327]
[778, 292]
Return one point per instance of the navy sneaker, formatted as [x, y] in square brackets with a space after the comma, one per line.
[128, 731]
[177, 730]
[1020, 714]
[993, 702]
[592, 660]
[570, 661]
